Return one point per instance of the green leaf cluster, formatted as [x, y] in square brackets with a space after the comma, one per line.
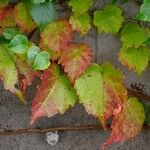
[134, 53]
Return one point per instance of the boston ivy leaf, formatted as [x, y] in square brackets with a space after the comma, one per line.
[128, 123]
[132, 35]
[23, 18]
[75, 60]
[79, 7]
[3, 3]
[108, 20]
[9, 33]
[82, 24]
[43, 14]
[144, 13]
[41, 61]
[19, 44]
[56, 35]
[135, 58]
[54, 95]
[8, 72]
[101, 91]
[6, 17]
[38, 1]
[32, 52]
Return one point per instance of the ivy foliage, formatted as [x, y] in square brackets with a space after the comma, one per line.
[66, 69]
[144, 13]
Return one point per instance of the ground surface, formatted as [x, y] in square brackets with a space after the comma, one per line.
[14, 115]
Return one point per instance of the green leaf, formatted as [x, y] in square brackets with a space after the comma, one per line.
[147, 41]
[19, 44]
[147, 112]
[108, 20]
[135, 59]
[32, 52]
[43, 14]
[38, 1]
[128, 123]
[80, 7]
[41, 61]
[101, 91]
[9, 33]
[144, 13]
[8, 72]
[3, 3]
[132, 35]
[82, 24]
[55, 94]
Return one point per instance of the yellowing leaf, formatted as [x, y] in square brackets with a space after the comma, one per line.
[75, 60]
[82, 24]
[108, 20]
[8, 70]
[135, 59]
[101, 91]
[132, 35]
[56, 35]
[23, 18]
[79, 7]
[128, 123]
[54, 95]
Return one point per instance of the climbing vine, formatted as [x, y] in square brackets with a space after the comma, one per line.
[66, 68]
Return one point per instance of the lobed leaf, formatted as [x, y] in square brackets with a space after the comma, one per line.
[75, 60]
[132, 35]
[82, 24]
[128, 123]
[56, 35]
[54, 95]
[135, 59]
[80, 7]
[23, 19]
[108, 20]
[101, 91]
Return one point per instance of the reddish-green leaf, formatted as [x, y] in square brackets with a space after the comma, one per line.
[75, 60]
[56, 35]
[135, 59]
[54, 95]
[23, 18]
[6, 17]
[82, 23]
[128, 123]
[101, 91]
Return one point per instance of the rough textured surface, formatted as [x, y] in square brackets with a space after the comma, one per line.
[14, 115]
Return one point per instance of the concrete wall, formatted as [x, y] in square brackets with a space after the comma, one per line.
[14, 115]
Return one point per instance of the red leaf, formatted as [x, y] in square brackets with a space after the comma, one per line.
[128, 123]
[75, 60]
[56, 35]
[54, 95]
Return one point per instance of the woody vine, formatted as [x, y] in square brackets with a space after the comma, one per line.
[66, 68]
